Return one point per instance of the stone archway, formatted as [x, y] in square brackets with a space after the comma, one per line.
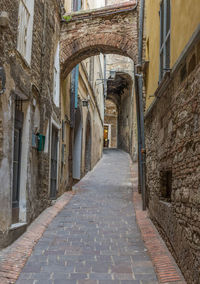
[112, 29]
[108, 30]
[88, 144]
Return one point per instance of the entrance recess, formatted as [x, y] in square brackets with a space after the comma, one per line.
[88, 147]
[77, 152]
[54, 162]
[19, 117]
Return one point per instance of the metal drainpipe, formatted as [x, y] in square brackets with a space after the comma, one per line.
[140, 110]
[141, 27]
[139, 137]
[143, 153]
[105, 79]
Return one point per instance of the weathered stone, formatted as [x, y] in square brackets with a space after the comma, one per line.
[177, 149]
[28, 82]
[83, 35]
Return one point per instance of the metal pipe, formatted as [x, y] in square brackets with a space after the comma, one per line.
[139, 138]
[141, 28]
[143, 151]
[140, 109]
[105, 79]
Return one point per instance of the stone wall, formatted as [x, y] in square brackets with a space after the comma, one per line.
[34, 85]
[173, 164]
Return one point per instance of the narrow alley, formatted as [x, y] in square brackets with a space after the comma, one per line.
[99, 141]
[95, 237]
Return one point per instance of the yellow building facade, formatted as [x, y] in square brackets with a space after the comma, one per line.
[185, 19]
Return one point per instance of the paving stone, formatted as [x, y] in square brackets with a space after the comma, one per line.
[25, 276]
[109, 282]
[43, 282]
[123, 276]
[58, 281]
[77, 276]
[87, 281]
[130, 282]
[100, 276]
[22, 281]
[146, 276]
[95, 237]
[41, 276]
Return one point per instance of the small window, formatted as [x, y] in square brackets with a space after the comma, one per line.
[25, 28]
[166, 185]
[183, 73]
[165, 19]
[77, 5]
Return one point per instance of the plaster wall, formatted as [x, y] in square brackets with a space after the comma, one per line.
[185, 15]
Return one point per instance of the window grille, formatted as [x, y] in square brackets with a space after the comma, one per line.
[165, 24]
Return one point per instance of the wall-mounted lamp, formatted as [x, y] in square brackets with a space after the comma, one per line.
[112, 74]
[85, 103]
[2, 80]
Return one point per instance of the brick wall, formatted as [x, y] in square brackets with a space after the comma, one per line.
[173, 164]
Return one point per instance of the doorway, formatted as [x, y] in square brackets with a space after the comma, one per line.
[54, 162]
[88, 147]
[77, 149]
[18, 126]
[106, 140]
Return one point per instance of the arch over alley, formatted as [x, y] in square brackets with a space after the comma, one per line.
[108, 30]
[112, 29]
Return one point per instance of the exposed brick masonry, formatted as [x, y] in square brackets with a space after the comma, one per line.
[89, 33]
[173, 149]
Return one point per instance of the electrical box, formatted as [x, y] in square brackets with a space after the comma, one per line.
[41, 142]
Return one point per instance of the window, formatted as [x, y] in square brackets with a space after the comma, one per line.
[166, 185]
[165, 19]
[25, 29]
[77, 4]
[56, 88]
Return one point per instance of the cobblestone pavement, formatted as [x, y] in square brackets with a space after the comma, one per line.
[95, 238]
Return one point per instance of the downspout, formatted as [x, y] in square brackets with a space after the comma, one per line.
[105, 79]
[141, 28]
[139, 138]
[140, 109]
[143, 152]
